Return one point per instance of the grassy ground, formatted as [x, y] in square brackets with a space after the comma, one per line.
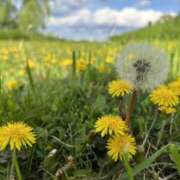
[60, 89]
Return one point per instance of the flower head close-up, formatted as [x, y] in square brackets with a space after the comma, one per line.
[16, 135]
[163, 96]
[143, 66]
[119, 146]
[118, 88]
[111, 125]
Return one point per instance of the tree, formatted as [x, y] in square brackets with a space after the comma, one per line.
[33, 14]
[8, 13]
[30, 15]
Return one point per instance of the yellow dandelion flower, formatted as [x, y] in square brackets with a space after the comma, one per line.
[119, 146]
[175, 86]
[110, 125]
[12, 84]
[16, 135]
[119, 88]
[5, 57]
[102, 68]
[110, 60]
[81, 65]
[165, 97]
[31, 64]
[167, 110]
[22, 72]
[66, 63]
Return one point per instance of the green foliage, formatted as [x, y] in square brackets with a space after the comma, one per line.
[165, 29]
[7, 14]
[31, 9]
[22, 35]
[174, 152]
[63, 109]
[29, 17]
[147, 163]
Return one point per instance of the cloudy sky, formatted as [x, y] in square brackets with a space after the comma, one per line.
[100, 19]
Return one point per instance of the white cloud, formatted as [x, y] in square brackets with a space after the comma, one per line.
[66, 6]
[143, 3]
[81, 17]
[101, 23]
[127, 17]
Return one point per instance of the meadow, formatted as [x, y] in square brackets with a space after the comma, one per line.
[60, 89]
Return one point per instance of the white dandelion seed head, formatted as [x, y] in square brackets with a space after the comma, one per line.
[143, 65]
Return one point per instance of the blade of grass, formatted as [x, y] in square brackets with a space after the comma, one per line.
[147, 163]
[174, 153]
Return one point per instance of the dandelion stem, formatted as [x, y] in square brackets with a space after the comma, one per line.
[74, 63]
[171, 124]
[131, 108]
[128, 167]
[30, 76]
[16, 165]
[11, 175]
[121, 112]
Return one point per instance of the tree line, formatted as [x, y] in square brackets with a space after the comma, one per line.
[23, 14]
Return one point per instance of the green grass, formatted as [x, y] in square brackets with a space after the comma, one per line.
[62, 103]
[163, 30]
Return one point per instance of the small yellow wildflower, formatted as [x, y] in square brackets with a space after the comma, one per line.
[16, 135]
[12, 84]
[119, 88]
[21, 72]
[171, 46]
[66, 63]
[31, 64]
[165, 97]
[110, 60]
[5, 57]
[175, 86]
[119, 146]
[81, 65]
[102, 68]
[109, 125]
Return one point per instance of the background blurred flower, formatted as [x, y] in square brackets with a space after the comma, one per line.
[82, 65]
[144, 66]
[12, 84]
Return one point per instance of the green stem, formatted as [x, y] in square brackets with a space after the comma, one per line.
[131, 108]
[74, 63]
[128, 168]
[11, 175]
[171, 125]
[16, 165]
[121, 109]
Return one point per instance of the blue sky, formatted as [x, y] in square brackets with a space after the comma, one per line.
[100, 19]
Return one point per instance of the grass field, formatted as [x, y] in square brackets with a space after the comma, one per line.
[61, 89]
